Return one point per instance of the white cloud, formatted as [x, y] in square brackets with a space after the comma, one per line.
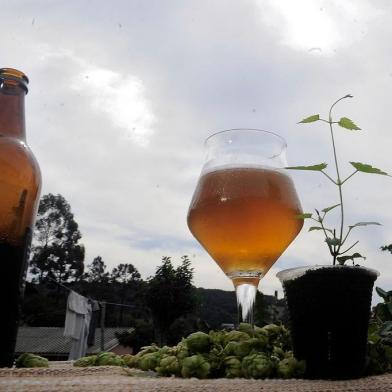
[121, 98]
[318, 26]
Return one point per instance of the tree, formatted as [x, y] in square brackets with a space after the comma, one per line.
[125, 274]
[170, 295]
[387, 247]
[56, 252]
[128, 280]
[96, 271]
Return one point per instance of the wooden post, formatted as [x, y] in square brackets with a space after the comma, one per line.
[103, 311]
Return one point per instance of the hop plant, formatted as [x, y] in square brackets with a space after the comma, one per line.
[336, 238]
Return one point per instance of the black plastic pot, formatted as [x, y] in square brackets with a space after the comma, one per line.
[329, 308]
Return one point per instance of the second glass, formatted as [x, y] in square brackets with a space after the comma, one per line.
[244, 209]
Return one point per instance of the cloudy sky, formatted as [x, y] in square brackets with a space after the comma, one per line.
[123, 94]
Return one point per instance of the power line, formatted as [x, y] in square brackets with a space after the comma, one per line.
[100, 301]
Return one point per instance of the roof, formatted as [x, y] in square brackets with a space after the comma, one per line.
[52, 340]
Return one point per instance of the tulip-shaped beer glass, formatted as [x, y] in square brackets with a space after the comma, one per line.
[244, 209]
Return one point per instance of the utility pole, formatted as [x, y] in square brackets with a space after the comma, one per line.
[103, 312]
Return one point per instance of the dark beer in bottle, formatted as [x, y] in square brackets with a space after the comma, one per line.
[20, 183]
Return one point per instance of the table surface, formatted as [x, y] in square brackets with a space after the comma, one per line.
[61, 376]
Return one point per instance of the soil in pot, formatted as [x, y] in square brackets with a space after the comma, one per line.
[329, 311]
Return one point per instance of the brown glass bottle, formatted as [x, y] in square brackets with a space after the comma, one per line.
[20, 183]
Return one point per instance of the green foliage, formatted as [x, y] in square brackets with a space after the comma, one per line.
[96, 271]
[310, 119]
[345, 122]
[257, 366]
[198, 342]
[233, 367]
[364, 224]
[336, 238]
[170, 294]
[252, 353]
[101, 359]
[195, 366]
[108, 359]
[365, 168]
[169, 366]
[290, 368]
[56, 251]
[318, 167]
[27, 360]
[86, 361]
[343, 259]
[325, 210]
[380, 335]
[306, 215]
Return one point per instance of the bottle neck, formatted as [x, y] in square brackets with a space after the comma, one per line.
[12, 113]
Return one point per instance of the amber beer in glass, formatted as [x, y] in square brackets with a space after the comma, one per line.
[245, 208]
[20, 182]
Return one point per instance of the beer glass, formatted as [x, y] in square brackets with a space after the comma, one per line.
[244, 211]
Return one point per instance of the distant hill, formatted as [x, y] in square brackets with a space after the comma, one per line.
[220, 307]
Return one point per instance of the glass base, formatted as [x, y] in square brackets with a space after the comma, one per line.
[245, 283]
[245, 277]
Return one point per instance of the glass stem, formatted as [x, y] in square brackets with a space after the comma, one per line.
[246, 296]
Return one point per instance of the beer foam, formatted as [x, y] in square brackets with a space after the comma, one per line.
[213, 168]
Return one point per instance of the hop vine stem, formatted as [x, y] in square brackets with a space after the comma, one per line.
[338, 182]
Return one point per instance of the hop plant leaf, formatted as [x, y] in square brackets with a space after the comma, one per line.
[305, 215]
[318, 167]
[345, 122]
[365, 168]
[330, 208]
[365, 224]
[313, 228]
[332, 241]
[310, 119]
[343, 259]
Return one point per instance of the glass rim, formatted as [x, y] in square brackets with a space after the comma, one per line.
[282, 139]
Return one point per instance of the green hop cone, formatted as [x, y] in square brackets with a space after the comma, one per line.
[257, 366]
[247, 328]
[217, 337]
[109, 359]
[27, 360]
[129, 360]
[290, 368]
[181, 350]
[215, 358]
[235, 336]
[279, 352]
[86, 361]
[198, 342]
[168, 366]
[195, 366]
[233, 367]
[149, 361]
[148, 349]
[166, 350]
[238, 349]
